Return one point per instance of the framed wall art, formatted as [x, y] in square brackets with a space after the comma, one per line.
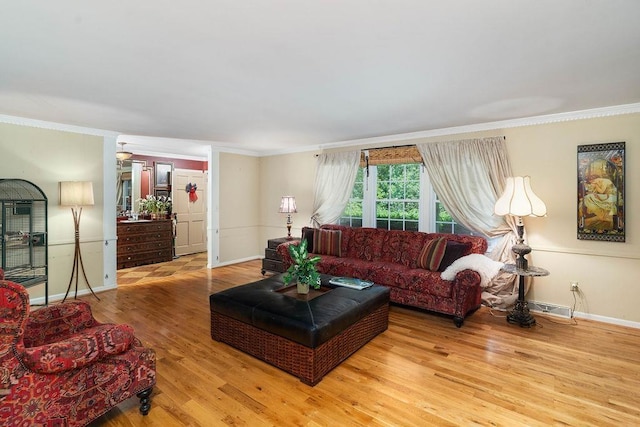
[162, 175]
[601, 212]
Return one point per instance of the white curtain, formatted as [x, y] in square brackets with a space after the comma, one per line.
[335, 176]
[469, 176]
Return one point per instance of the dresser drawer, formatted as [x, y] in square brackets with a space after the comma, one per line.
[271, 265]
[144, 246]
[272, 254]
[144, 258]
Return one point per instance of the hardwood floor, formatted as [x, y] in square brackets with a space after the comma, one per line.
[421, 371]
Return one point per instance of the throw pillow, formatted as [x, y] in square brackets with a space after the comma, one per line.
[453, 251]
[327, 242]
[79, 350]
[307, 234]
[432, 254]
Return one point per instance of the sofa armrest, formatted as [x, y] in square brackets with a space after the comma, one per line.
[468, 278]
[56, 322]
[283, 251]
[87, 347]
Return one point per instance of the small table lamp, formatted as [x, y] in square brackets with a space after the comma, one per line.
[77, 194]
[519, 200]
[288, 206]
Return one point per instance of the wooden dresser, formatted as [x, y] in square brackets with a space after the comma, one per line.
[144, 242]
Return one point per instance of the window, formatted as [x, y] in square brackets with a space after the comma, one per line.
[398, 197]
[391, 198]
[352, 215]
[444, 222]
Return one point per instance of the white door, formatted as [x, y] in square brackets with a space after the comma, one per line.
[191, 227]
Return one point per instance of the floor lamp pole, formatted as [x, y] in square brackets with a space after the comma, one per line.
[78, 265]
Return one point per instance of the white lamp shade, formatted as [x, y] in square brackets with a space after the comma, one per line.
[288, 204]
[76, 193]
[519, 199]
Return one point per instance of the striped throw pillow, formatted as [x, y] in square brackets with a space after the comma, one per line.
[432, 254]
[327, 242]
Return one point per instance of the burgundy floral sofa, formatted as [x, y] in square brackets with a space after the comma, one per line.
[60, 367]
[408, 262]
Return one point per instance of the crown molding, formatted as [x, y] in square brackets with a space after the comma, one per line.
[224, 148]
[497, 125]
[42, 124]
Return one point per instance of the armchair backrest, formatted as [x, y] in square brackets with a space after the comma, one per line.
[14, 311]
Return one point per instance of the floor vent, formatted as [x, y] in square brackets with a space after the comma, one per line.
[556, 310]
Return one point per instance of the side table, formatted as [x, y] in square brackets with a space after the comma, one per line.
[520, 314]
[272, 261]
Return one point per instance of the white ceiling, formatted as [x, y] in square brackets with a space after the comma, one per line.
[267, 75]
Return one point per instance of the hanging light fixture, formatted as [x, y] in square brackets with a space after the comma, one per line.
[123, 155]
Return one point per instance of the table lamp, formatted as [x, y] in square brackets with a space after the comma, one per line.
[288, 206]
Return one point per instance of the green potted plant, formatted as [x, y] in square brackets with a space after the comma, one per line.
[303, 270]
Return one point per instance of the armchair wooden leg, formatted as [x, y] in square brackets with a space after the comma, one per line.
[145, 400]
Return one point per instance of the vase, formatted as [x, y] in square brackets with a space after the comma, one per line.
[303, 288]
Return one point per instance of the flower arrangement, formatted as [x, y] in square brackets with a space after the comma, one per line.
[153, 204]
[303, 268]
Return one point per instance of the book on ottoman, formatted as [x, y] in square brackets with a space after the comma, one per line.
[351, 282]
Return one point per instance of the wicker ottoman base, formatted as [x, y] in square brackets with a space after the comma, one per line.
[308, 364]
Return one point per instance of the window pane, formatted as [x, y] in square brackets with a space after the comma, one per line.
[382, 190]
[396, 225]
[412, 210]
[383, 172]
[443, 228]
[411, 225]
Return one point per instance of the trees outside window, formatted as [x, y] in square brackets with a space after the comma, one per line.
[391, 198]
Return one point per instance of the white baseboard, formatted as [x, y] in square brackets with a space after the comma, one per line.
[605, 319]
[72, 294]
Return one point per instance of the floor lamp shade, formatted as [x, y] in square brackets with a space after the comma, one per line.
[76, 193]
[518, 199]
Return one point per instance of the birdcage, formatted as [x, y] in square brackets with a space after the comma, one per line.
[23, 231]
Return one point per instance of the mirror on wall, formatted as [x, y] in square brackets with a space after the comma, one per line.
[133, 183]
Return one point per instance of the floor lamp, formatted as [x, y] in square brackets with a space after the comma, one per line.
[518, 199]
[77, 194]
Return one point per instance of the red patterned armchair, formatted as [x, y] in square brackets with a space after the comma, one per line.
[61, 367]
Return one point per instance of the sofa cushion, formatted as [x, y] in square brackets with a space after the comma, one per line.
[403, 247]
[327, 242]
[432, 254]
[366, 243]
[454, 251]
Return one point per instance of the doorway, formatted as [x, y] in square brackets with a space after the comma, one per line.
[190, 211]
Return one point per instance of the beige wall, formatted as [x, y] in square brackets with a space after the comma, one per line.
[286, 175]
[251, 188]
[607, 272]
[239, 208]
[46, 157]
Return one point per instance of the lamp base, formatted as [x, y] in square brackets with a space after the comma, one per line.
[78, 265]
[521, 316]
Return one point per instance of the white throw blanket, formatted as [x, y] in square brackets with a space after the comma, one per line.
[485, 266]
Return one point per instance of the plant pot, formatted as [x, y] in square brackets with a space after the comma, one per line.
[303, 288]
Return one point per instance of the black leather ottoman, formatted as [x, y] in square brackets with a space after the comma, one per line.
[306, 336]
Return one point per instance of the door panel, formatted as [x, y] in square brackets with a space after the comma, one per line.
[191, 225]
